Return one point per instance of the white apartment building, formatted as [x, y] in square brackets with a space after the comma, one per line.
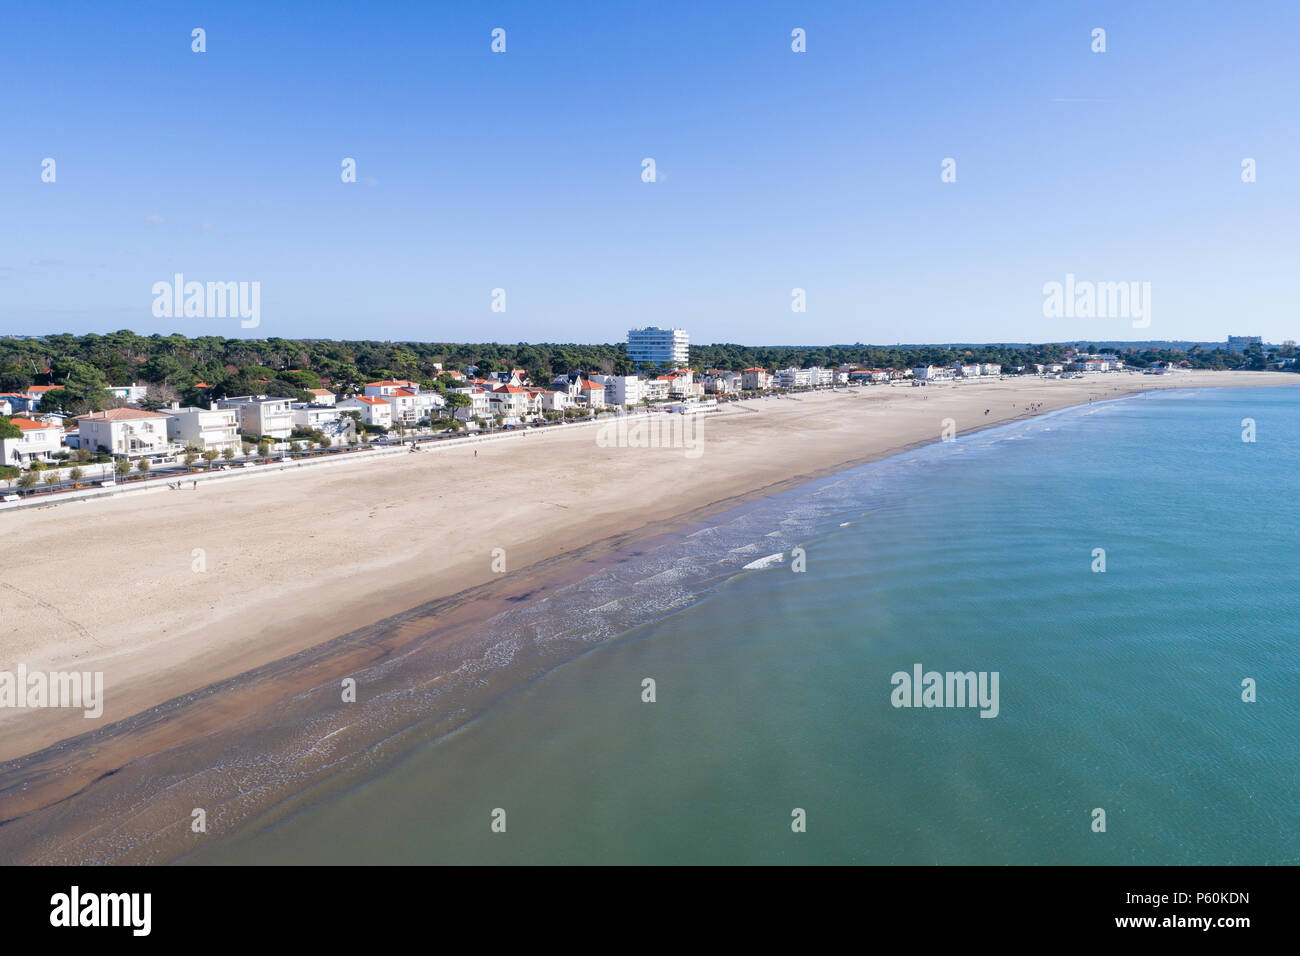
[656, 346]
[752, 379]
[260, 415]
[931, 373]
[38, 442]
[621, 389]
[988, 368]
[793, 377]
[322, 396]
[132, 432]
[327, 418]
[654, 389]
[207, 428]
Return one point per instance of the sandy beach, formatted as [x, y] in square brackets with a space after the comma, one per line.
[292, 561]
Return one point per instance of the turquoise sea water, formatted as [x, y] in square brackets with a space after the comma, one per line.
[1119, 690]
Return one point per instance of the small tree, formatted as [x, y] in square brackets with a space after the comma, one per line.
[325, 441]
[143, 466]
[8, 474]
[263, 448]
[122, 467]
[76, 475]
[228, 453]
[210, 456]
[51, 479]
[191, 457]
[28, 480]
[37, 465]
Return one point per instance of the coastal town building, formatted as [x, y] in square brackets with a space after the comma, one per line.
[621, 389]
[655, 346]
[260, 415]
[756, 379]
[374, 410]
[38, 442]
[132, 432]
[214, 429]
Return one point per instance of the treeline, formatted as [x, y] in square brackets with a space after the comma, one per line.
[193, 369]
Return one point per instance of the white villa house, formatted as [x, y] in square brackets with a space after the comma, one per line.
[752, 379]
[132, 432]
[480, 404]
[374, 410]
[38, 442]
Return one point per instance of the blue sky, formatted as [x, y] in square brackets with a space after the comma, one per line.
[776, 170]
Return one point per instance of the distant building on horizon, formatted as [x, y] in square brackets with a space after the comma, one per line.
[656, 346]
[1238, 344]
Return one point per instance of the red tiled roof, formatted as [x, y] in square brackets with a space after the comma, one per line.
[26, 424]
[119, 415]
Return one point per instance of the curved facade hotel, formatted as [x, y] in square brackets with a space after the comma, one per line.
[655, 346]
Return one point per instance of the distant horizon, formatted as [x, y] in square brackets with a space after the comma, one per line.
[1100, 342]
